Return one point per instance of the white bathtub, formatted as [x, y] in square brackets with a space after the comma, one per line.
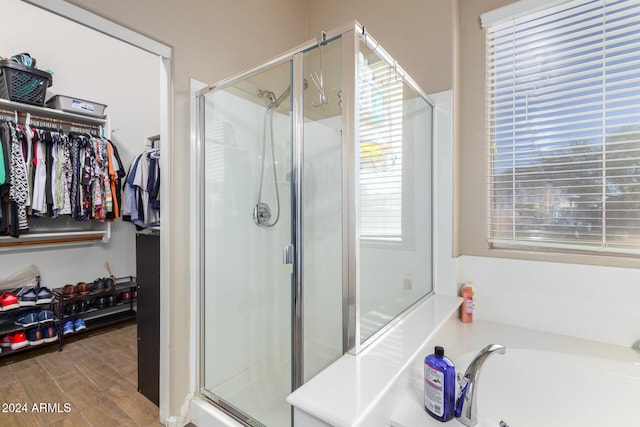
[544, 388]
[543, 380]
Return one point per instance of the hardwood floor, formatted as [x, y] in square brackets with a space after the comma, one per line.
[92, 382]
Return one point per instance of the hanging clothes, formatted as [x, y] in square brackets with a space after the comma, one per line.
[141, 203]
[47, 172]
[18, 192]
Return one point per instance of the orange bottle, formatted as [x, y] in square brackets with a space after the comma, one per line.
[466, 311]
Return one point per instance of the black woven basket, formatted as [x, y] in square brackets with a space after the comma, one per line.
[24, 84]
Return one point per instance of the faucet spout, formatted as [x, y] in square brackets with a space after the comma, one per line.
[466, 408]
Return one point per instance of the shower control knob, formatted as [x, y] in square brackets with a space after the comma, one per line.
[262, 215]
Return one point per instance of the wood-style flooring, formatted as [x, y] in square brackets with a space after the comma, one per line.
[92, 382]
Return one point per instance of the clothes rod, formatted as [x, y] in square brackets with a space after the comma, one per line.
[9, 113]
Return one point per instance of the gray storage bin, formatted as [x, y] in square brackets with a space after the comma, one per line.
[76, 105]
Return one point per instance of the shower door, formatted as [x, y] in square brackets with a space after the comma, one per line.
[247, 225]
[271, 145]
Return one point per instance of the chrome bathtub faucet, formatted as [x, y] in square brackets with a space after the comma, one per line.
[466, 407]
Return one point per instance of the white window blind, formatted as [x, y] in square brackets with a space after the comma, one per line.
[564, 128]
[380, 152]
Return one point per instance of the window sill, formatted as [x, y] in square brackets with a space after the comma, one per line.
[604, 260]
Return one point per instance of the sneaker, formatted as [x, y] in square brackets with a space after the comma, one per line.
[35, 336]
[45, 296]
[9, 301]
[50, 333]
[27, 319]
[70, 291]
[98, 285]
[68, 327]
[5, 341]
[82, 306]
[84, 288]
[110, 300]
[79, 324]
[100, 303]
[45, 316]
[71, 309]
[18, 340]
[124, 297]
[27, 297]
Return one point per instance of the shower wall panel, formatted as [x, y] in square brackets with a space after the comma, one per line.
[322, 244]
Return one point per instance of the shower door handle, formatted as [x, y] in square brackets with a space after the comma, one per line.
[288, 254]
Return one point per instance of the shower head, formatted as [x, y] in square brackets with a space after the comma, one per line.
[271, 97]
[263, 93]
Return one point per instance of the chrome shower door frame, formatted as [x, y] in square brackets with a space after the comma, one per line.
[295, 56]
[352, 35]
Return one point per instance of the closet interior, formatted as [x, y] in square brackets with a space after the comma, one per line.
[79, 192]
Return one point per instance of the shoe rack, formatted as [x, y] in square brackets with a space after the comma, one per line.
[104, 302]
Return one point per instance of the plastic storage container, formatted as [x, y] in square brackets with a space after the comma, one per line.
[20, 83]
[439, 386]
[76, 105]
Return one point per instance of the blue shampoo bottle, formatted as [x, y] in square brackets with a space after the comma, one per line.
[439, 385]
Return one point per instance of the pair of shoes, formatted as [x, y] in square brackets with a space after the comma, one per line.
[32, 318]
[102, 284]
[73, 325]
[104, 302]
[42, 334]
[9, 301]
[27, 297]
[75, 308]
[15, 341]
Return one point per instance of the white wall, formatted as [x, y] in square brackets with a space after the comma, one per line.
[592, 302]
[91, 66]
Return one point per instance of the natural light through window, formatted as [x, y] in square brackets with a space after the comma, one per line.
[380, 152]
[564, 128]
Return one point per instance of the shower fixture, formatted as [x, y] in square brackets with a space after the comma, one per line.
[271, 97]
[266, 94]
[261, 211]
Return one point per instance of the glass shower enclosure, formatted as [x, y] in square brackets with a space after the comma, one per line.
[315, 217]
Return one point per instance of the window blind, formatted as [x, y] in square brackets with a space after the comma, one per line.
[564, 128]
[380, 152]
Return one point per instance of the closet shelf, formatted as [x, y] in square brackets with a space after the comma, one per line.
[52, 113]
